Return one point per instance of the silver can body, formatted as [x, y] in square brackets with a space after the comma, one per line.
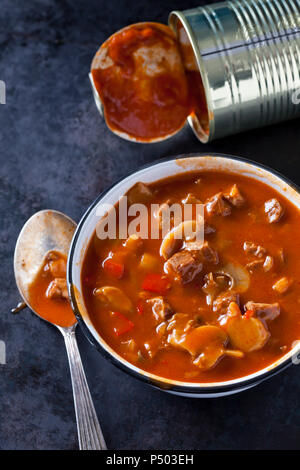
[248, 54]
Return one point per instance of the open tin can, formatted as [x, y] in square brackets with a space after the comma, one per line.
[248, 55]
[245, 59]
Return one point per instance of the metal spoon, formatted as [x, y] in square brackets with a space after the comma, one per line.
[44, 231]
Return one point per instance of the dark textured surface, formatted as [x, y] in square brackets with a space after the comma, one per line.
[57, 153]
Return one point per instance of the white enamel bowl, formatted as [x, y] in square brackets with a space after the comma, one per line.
[86, 227]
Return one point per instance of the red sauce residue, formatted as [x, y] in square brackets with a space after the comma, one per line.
[198, 99]
[199, 109]
[140, 78]
[54, 309]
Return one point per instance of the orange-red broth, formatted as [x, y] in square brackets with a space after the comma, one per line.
[244, 224]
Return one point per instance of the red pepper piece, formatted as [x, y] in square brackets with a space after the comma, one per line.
[114, 268]
[156, 283]
[121, 324]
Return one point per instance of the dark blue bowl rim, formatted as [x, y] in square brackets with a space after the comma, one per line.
[192, 389]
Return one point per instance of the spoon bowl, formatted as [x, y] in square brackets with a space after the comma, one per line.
[45, 231]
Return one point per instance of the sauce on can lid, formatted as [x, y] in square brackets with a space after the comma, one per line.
[140, 76]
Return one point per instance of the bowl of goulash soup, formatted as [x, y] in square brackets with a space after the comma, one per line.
[188, 281]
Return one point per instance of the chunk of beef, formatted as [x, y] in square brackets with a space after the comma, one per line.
[222, 302]
[184, 266]
[217, 205]
[209, 254]
[235, 197]
[263, 311]
[274, 210]
[160, 308]
[253, 249]
[202, 251]
[57, 289]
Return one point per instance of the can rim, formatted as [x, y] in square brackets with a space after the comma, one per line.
[173, 19]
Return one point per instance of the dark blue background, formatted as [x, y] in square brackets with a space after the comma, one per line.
[55, 152]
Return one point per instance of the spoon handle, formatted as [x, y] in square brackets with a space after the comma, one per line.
[89, 432]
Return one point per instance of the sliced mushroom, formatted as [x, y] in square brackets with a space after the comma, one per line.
[199, 339]
[114, 298]
[174, 239]
[238, 275]
[207, 344]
